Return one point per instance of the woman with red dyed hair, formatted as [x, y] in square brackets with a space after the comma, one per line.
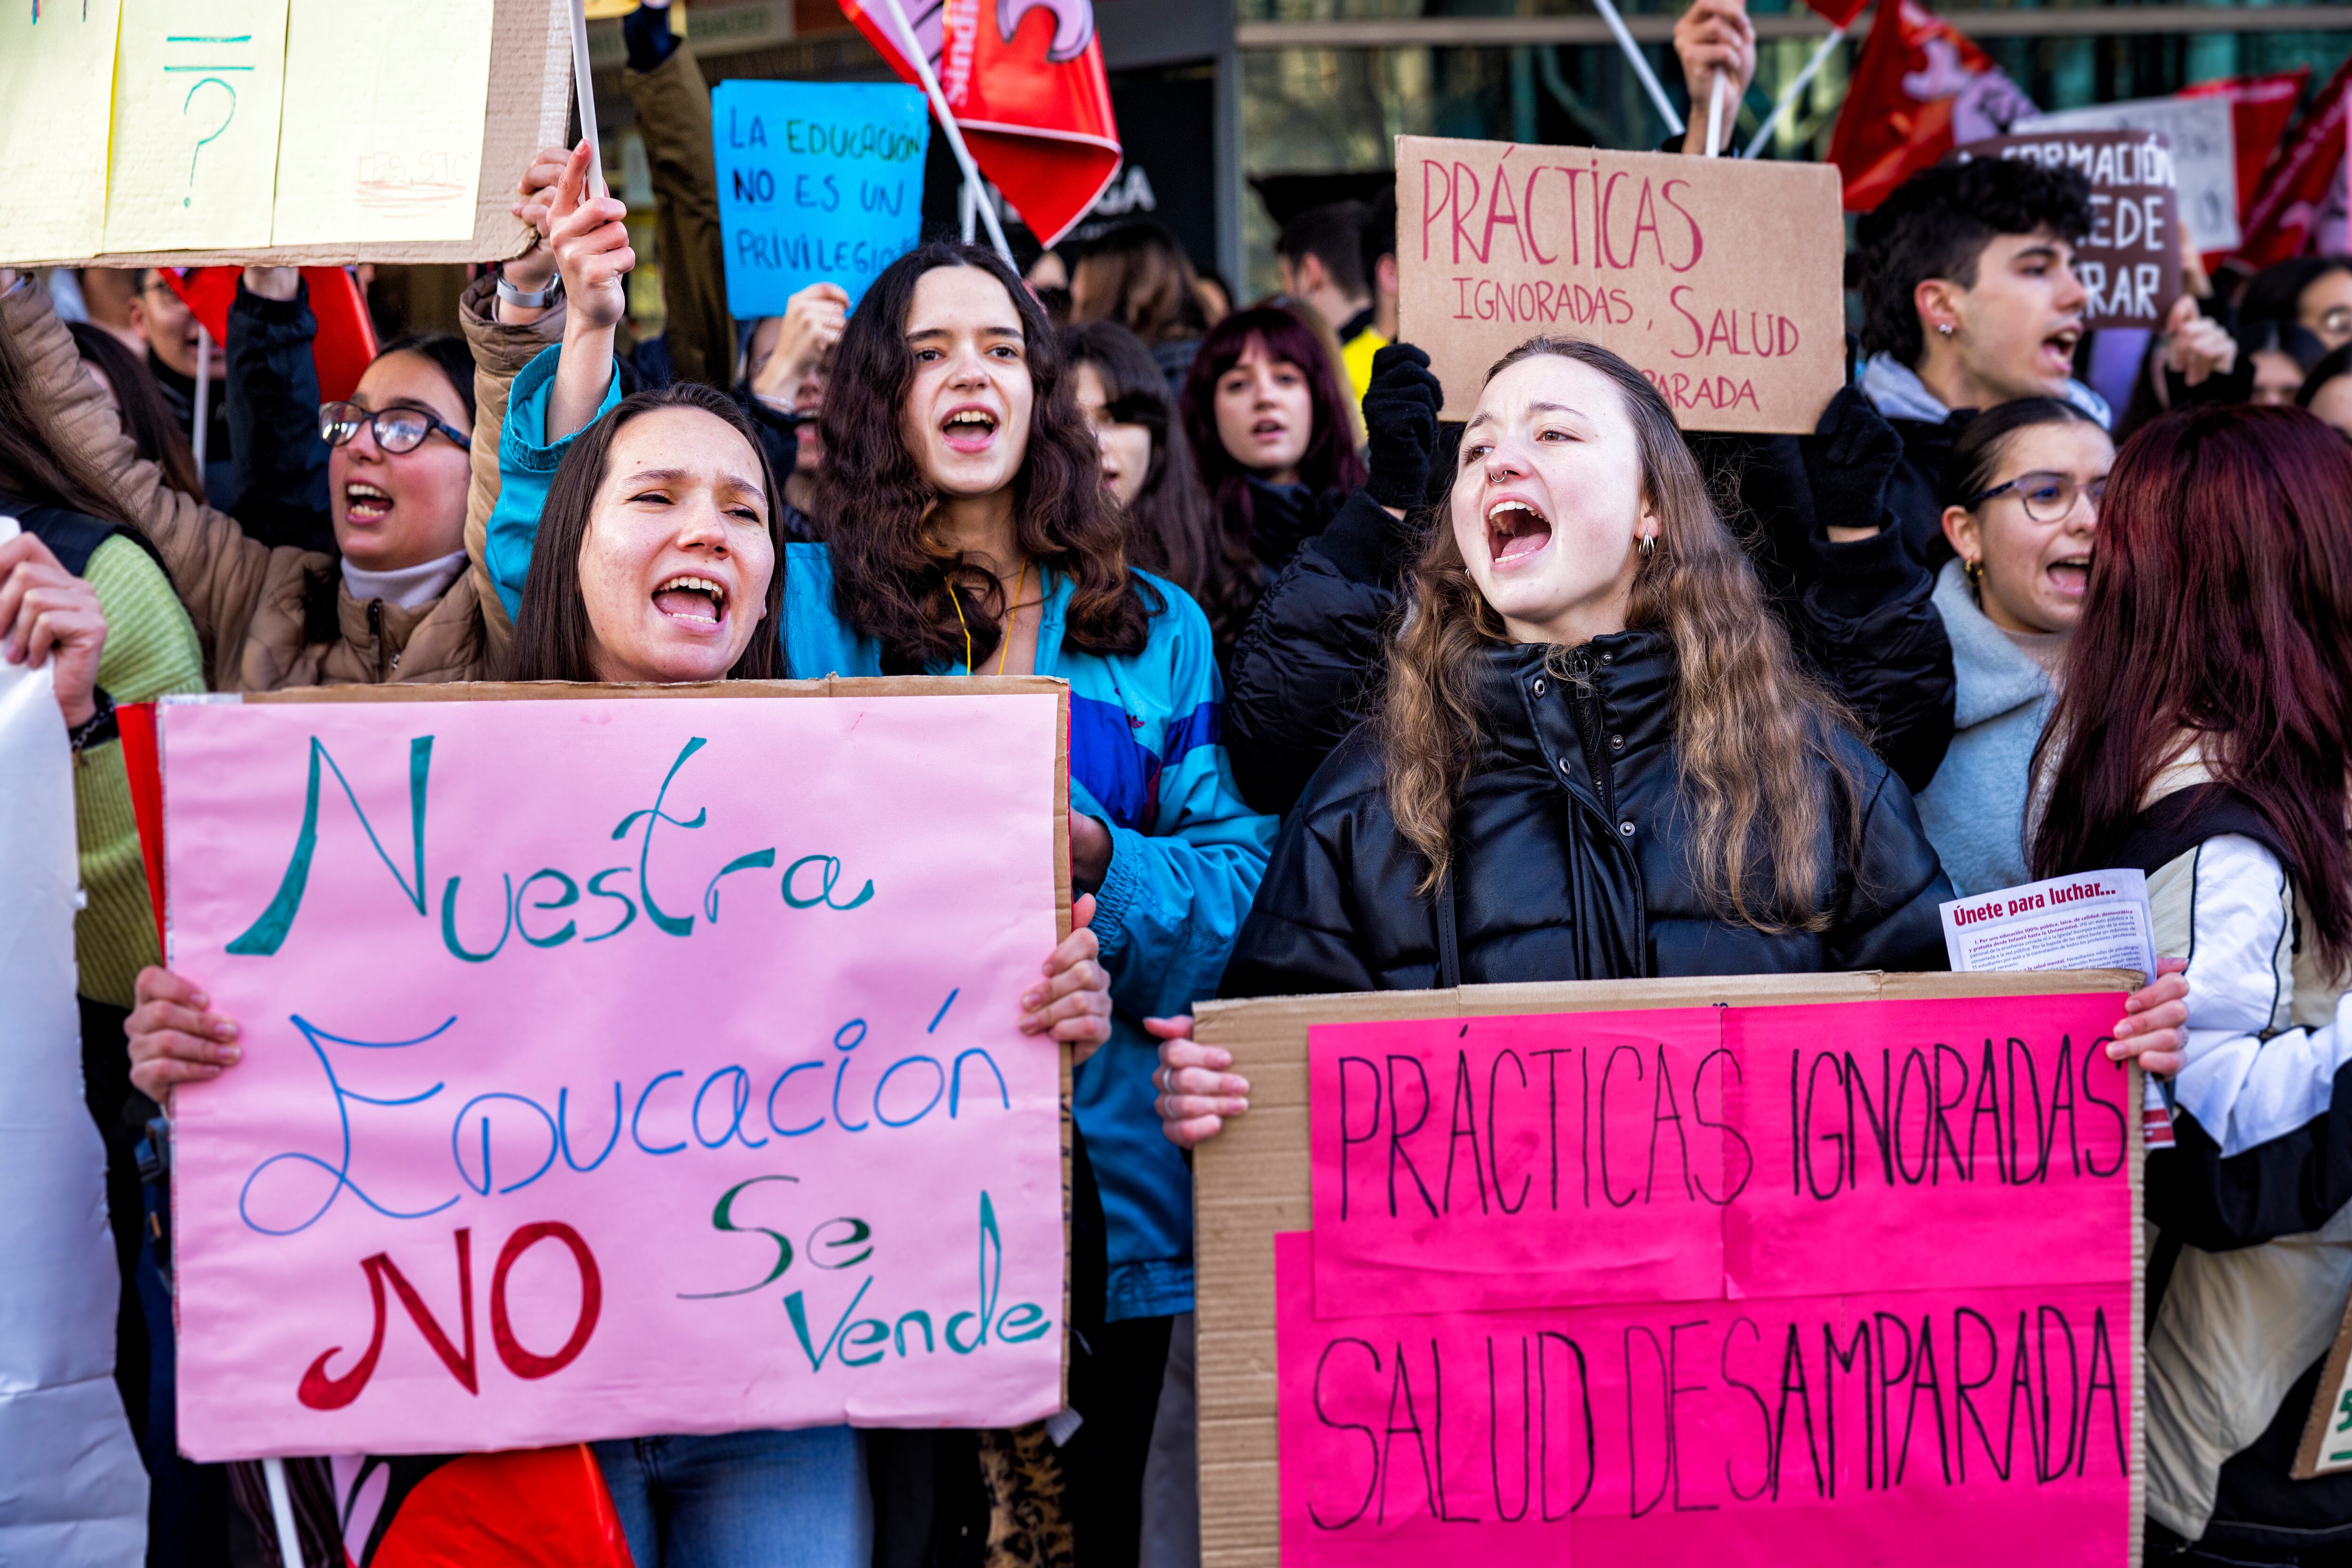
[2202, 736]
[1266, 413]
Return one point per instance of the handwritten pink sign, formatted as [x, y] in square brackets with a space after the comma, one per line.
[1936, 1429]
[615, 1067]
[1695, 1154]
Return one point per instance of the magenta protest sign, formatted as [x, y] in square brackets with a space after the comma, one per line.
[1846, 1282]
[615, 1066]
[1934, 1429]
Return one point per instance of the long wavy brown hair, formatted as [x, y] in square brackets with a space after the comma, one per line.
[1752, 730]
[892, 580]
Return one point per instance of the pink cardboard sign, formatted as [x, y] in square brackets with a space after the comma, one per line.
[615, 1067]
[1701, 1153]
[1937, 1429]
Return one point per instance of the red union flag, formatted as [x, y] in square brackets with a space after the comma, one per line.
[1920, 88]
[1027, 90]
[2301, 194]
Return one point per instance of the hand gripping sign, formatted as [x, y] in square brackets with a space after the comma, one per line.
[1719, 278]
[616, 1063]
[1792, 1269]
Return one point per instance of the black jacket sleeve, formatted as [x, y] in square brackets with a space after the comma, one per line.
[1301, 937]
[272, 400]
[1870, 621]
[1304, 669]
[1862, 614]
[2285, 1186]
[1893, 884]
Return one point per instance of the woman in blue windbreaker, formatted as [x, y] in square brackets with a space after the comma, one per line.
[969, 537]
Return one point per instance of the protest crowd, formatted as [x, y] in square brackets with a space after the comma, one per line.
[1373, 699]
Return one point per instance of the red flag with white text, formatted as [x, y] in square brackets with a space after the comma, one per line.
[1025, 80]
[2301, 200]
[1920, 88]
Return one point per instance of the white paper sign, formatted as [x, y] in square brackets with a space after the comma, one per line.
[2096, 920]
[2204, 153]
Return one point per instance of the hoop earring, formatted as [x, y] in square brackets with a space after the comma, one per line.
[1975, 570]
[1649, 545]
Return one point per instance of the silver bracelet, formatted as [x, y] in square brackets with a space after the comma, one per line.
[539, 301]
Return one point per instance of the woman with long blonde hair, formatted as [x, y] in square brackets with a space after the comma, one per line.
[1596, 757]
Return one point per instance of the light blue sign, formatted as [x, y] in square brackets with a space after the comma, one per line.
[818, 182]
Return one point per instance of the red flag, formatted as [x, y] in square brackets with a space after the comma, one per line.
[1920, 88]
[2260, 107]
[346, 340]
[2296, 187]
[1027, 89]
[1838, 12]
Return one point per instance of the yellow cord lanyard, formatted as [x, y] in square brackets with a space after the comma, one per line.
[1011, 619]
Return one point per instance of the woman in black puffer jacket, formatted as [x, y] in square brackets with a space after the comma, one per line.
[1545, 779]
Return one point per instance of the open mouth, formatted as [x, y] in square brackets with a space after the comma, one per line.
[1515, 530]
[2059, 346]
[969, 429]
[365, 503]
[2070, 575]
[1269, 430]
[697, 601]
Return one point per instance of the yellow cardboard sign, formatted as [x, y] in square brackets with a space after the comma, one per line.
[57, 78]
[195, 157]
[391, 153]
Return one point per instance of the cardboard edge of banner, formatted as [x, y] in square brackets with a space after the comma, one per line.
[1252, 1180]
[831, 687]
[530, 46]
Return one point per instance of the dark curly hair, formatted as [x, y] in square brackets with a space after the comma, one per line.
[1938, 223]
[894, 584]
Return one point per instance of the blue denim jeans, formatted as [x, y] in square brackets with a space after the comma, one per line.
[743, 1500]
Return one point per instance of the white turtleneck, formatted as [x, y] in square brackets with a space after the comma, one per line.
[408, 587]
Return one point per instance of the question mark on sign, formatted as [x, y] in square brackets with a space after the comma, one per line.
[225, 117]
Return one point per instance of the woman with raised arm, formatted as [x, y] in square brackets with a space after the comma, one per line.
[2199, 736]
[971, 536]
[1596, 757]
[669, 489]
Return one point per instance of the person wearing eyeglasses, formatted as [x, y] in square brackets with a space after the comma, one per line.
[365, 578]
[2023, 485]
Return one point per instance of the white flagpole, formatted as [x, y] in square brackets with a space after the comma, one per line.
[1641, 65]
[913, 49]
[203, 396]
[584, 88]
[1788, 94]
[281, 1513]
[1715, 116]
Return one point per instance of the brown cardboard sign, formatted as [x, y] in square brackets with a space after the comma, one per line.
[1253, 1181]
[2131, 262]
[1718, 278]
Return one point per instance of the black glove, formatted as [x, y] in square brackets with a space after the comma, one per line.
[1848, 460]
[1401, 425]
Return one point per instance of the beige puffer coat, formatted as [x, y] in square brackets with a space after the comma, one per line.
[248, 600]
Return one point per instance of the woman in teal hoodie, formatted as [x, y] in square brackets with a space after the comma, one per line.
[970, 536]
